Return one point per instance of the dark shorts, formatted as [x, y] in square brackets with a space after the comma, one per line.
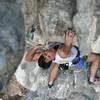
[80, 65]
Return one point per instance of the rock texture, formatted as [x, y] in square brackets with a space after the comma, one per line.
[48, 19]
[86, 22]
[55, 16]
[95, 46]
[11, 39]
[29, 9]
[70, 85]
[51, 17]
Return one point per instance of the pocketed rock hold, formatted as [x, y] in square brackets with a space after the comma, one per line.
[55, 16]
[11, 39]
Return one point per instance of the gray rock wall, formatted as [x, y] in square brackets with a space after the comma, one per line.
[12, 40]
[96, 43]
[55, 16]
[29, 9]
[85, 22]
[69, 85]
[51, 17]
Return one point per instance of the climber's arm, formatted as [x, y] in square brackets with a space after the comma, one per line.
[30, 54]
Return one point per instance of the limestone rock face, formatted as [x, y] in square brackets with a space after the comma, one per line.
[69, 85]
[55, 16]
[83, 22]
[49, 18]
[95, 45]
[11, 39]
[29, 9]
[86, 22]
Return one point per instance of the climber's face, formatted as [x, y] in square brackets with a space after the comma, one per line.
[49, 55]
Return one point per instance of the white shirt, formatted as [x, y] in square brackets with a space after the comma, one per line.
[60, 60]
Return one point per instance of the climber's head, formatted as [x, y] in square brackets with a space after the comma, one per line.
[46, 58]
[42, 62]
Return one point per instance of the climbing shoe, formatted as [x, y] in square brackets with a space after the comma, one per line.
[96, 81]
[50, 85]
